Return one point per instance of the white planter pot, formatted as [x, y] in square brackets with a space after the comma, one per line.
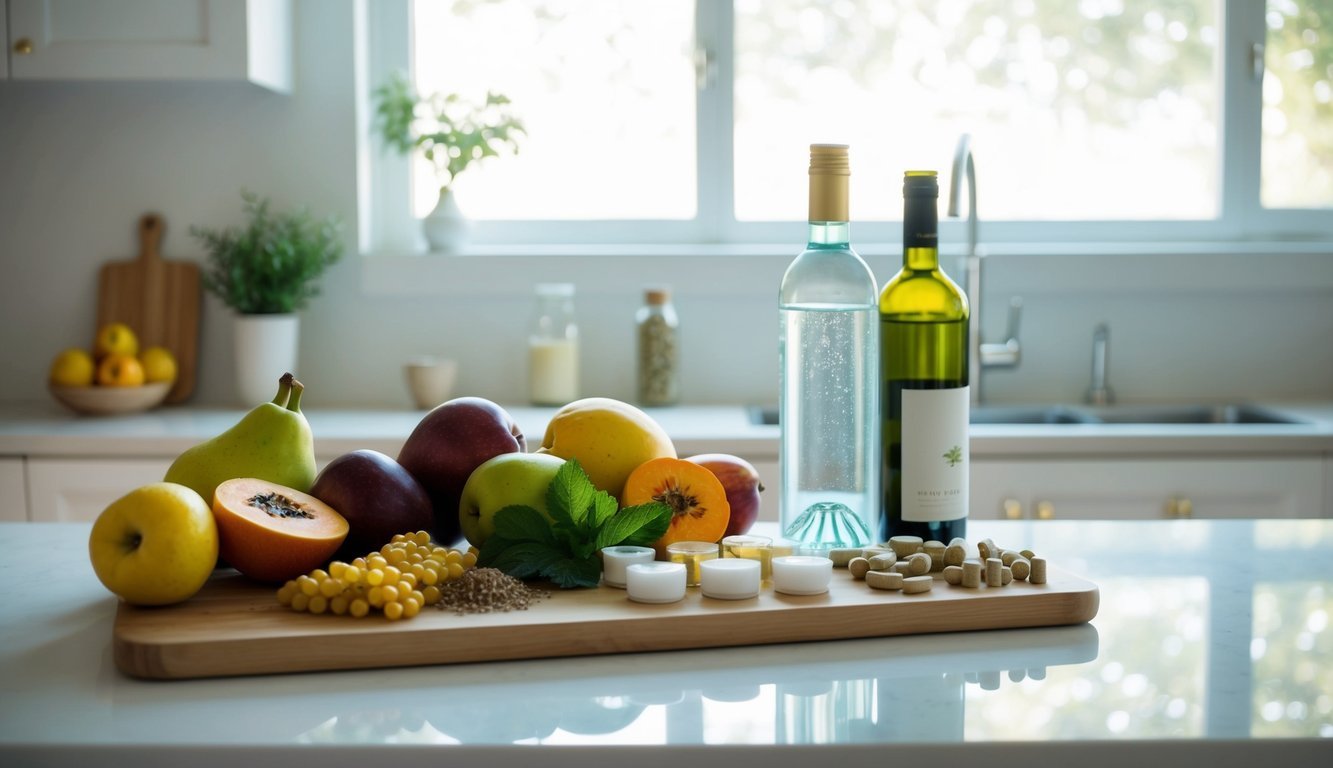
[265, 347]
[445, 227]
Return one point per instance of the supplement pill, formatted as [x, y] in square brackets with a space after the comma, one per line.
[955, 554]
[1038, 574]
[905, 545]
[972, 573]
[918, 564]
[884, 580]
[1021, 568]
[917, 584]
[858, 566]
[953, 575]
[935, 550]
[993, 577]
[841, 556]
[883, 561]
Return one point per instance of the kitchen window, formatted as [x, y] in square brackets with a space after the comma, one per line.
[687, 121]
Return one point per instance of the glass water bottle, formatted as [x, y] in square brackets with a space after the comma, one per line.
[829, 395]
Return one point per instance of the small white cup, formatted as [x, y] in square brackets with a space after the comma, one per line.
[430, 380]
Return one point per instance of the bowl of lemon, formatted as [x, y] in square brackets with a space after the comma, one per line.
[114, 377]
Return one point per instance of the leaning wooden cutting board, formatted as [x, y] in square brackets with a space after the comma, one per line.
[158, 299]
[234, 627]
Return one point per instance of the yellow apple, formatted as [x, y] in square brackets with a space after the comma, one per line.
[72, 368]
[158, 364]
[117, 370]
[115, 339]
[609, 438]
[156, 545]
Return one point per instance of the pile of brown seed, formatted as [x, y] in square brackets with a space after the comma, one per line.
[487, 590]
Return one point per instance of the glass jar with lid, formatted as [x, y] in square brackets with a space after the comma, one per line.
[553, 347]
[658, 331]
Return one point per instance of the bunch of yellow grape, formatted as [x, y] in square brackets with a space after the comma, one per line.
[399, 579]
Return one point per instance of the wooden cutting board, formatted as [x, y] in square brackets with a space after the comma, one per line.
[233, 627]
[158, 299]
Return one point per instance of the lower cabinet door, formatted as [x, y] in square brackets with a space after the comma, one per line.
[13, 491]
[77, 490]
[1269, 487]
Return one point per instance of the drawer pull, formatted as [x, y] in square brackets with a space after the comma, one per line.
[1013, 510]
[1045, 510]
[23, 46]
[1179, 508]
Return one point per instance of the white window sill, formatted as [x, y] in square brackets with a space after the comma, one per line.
[755, 269]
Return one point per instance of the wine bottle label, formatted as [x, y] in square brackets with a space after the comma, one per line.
[935, 454]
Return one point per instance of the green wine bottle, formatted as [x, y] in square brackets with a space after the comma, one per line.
[923, 361]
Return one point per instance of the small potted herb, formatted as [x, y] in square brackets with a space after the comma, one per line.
[449, 132]
[265, 272]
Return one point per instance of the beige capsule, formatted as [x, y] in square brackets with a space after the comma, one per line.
[935, 550]
[971, 573]
[993, 567]
[1021, 568]
[1006, 576]
[905, 545]
[884, 580]
[883, 561]
[955, 554]
[1008, 556]
[1038, 574]
[916, 584]
[841, 556]
[902, 566]
[858, 567]
[953, 574]
[918, 564]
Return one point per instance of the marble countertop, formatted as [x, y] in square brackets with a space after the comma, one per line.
[1212, 646]
[46, 429]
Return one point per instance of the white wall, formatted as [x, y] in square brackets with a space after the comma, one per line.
[80, 162]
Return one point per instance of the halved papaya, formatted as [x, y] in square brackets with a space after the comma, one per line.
[270, 532]
[697, 499]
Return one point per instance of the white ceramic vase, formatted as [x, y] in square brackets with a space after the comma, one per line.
[445, 227]
[265, 347]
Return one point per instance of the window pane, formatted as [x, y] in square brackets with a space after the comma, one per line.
[605, 90]
[1100, 109]
[1297, 148]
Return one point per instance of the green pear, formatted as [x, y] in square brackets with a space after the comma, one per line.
[272, 442]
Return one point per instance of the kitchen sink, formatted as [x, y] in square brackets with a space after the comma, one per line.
[1112, 414]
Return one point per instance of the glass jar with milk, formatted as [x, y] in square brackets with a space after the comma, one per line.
[553, 347]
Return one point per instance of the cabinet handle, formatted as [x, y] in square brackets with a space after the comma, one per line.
[1179, 507]
[23, 46]
[1012, 509]
[1045, 510]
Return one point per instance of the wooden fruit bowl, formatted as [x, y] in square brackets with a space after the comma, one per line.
[105, 401]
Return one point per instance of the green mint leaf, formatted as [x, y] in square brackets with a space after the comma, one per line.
[523, 560]
[604, 507]
[519, 522]
[569, 494]
[491, 549]
[571, 572]
[640, 526]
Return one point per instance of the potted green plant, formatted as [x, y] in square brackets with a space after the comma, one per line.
[452, 134]
[265, 272]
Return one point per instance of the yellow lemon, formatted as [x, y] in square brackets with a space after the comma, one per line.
[72, 368]
[158, 364]
[609, 438]
[120, 371]
[115, 339]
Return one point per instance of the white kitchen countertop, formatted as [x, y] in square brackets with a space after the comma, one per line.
[46, 429]
[1212, 646]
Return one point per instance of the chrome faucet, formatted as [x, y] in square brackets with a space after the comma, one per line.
[1099, 391]
[980, 356]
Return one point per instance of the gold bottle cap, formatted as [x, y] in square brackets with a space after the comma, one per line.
[829, 173]
[657, 296]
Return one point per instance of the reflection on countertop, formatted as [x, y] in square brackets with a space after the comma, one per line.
[1214, 633]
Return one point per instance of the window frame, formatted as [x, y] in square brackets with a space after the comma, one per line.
[388, 227]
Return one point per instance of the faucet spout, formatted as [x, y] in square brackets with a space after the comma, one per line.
[979, 355]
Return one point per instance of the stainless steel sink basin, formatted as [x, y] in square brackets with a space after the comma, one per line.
[1113, 414]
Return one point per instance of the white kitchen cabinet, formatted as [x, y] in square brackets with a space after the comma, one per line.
[1109, 489]
[13, 491]
[236, 40]
[66, 490]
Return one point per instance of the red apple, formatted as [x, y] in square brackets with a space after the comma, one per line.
[742, 483]
[378, 498]
[448, 443]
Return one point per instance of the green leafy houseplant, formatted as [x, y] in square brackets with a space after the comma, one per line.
[269, 266]
[449, 131]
